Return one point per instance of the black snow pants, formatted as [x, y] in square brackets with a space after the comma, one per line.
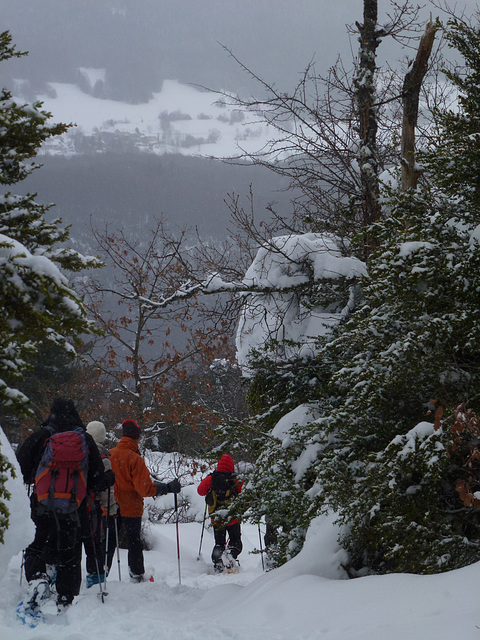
[58, 541]
[235, 545]
[132, 528]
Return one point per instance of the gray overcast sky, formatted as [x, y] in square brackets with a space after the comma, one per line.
[157, 39]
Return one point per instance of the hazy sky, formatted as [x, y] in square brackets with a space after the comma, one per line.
[155, 39]
[140, 43]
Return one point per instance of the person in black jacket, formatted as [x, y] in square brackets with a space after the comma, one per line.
[58, 538]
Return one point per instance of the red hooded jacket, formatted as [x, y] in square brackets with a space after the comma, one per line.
[225, 465]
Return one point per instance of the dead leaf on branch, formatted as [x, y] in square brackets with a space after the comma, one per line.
[466, 495]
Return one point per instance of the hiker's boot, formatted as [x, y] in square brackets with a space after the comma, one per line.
[218, 565]
[232, 565]
[228, 560]
[136, 577]
[92, 579]
[63, 603]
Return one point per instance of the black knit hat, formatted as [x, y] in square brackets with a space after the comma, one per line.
[64, 415]
[131, 429]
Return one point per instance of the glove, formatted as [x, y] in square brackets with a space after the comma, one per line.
[168, 487]
[109, 478]
[174, 486]
[161, 489]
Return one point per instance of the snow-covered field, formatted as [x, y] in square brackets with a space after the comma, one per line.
[307, 599]
[178, 119]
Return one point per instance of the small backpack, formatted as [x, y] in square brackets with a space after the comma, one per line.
[61, 478]
[222, 490]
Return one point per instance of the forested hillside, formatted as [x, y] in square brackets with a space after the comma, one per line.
[129, 190]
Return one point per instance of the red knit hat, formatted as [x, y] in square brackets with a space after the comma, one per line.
[131, 429]
[225, 464]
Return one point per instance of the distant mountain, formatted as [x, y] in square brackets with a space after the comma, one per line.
[140, 43]
[122, 164]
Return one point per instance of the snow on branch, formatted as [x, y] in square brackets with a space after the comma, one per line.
[285, 264]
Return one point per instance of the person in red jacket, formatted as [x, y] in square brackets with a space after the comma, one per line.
[219, 489]
[132, 484]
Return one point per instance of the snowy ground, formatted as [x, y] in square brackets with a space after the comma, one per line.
[307, 599]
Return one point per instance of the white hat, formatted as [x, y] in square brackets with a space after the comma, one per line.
[97, 430]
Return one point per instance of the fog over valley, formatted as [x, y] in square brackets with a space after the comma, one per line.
[131, 75]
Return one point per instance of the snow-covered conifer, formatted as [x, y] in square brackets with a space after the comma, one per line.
[415, 338]
[38, 304]
[454, 154]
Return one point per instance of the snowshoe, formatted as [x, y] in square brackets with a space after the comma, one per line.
[218, 566]
[234, 569]
[29, 612]
[28, 615]
[231, 564]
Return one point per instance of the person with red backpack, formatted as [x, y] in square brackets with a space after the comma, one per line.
[63, 464]
[219, 489]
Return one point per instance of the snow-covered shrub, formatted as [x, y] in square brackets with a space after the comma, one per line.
[310, 287]
[411, 519]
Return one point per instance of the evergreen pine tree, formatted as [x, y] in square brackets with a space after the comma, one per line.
[38, 305]
[6, 469]
[392, 476]
[416, 338]
[454, 155]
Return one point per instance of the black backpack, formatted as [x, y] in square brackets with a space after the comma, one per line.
[222, 490]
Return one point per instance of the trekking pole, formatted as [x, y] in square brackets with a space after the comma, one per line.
[102, 594]
[105, 559]
[178, 539]
[118, 548]
[261, 548]
[201, 535]
[22, 565]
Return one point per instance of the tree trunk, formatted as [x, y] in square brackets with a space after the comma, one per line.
[411, 95]
[370, 38]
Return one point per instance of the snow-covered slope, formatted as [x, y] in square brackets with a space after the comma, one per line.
[178, 119]
[306, 599]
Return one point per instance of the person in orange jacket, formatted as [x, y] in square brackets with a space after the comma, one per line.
[132, 484]
[219, 489]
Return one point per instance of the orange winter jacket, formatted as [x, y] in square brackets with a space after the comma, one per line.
[132, 478]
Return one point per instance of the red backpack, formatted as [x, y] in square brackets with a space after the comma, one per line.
[61, 478]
